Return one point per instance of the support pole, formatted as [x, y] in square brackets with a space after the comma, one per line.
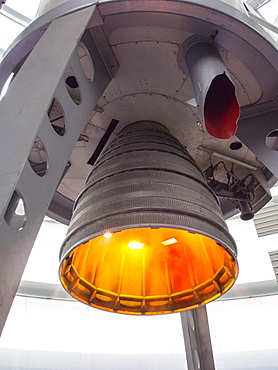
[197, 339]
[24, 118]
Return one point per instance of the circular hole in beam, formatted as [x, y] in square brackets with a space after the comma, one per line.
[71, 81]
[236, 145]
[57, 117]
[86, 61]
[271, 140]
[15, 215]
[72, 85]
[38, 158]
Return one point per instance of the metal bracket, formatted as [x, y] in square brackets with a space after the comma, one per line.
[253, 131]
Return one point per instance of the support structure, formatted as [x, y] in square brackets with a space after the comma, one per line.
[197, 339]
[24, 121]
[141, 34]
[254, 132]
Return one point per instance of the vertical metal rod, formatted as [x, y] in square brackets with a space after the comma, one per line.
[197, 340]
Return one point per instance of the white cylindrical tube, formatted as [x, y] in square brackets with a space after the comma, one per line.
[214, 89]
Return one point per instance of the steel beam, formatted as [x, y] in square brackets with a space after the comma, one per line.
[23, 119]
[197, 339]
[253, 132]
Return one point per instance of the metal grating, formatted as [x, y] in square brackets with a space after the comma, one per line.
[274, 260]
[256, 4]
[266, 220]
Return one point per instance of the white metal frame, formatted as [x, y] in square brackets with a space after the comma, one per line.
[23, 118]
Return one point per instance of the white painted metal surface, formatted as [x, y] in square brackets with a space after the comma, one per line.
[23, 119]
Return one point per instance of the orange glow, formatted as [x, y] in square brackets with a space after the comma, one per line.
[221, 109]
[106, 273]
[135, 245]
[169, 241]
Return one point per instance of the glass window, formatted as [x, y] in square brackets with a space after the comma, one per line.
[244, 333]
[10, 30]
[26, 8]
[68, 335]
